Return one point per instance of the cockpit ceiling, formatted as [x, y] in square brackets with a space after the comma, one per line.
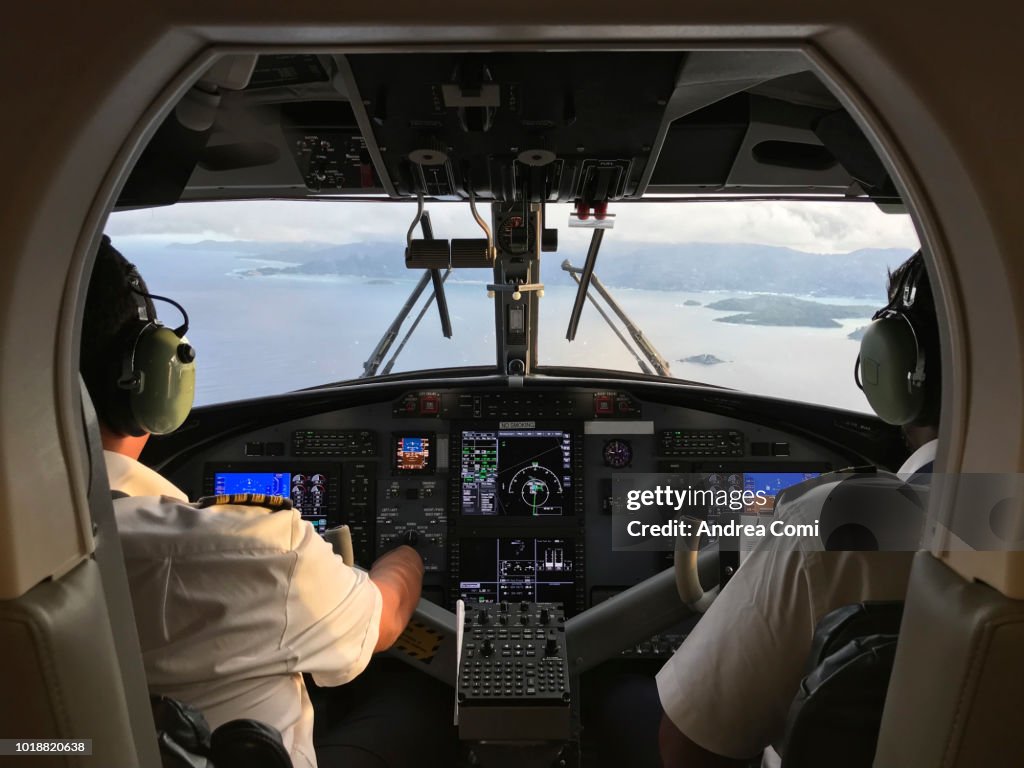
[555, 126]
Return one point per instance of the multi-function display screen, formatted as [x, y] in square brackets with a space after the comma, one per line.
[308, 492]
[413, 454]
[517, 569]
[517, 473]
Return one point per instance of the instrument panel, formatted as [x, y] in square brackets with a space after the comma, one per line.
[505, 493]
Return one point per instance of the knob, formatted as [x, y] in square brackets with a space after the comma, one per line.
[524, 619]
[551, 646]
[503, 619]
[483, 617]
[503, 606]
[487, 649]
[412, 538]
[524, 606]
[545, 617]
[186, 353]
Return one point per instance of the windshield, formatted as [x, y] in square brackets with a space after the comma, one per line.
[765, 297]
[762, 296]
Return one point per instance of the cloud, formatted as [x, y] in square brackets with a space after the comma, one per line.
[808, 226]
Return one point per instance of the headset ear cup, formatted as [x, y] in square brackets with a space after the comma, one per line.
[165, 366]
[890, 360]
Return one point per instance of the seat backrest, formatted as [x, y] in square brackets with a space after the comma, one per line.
[835, 718]
[69, 657]
[959, 674]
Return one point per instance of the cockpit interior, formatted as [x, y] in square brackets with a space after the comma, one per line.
[458, 298]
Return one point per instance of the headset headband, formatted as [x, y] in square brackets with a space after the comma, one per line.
[135, 284]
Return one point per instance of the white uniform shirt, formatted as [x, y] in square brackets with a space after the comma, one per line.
[729, 686]
[233, 603]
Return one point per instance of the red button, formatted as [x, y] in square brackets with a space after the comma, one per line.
[602, 404]
[430, 404]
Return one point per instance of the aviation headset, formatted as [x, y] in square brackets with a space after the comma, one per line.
[155, 371]
[891, 366]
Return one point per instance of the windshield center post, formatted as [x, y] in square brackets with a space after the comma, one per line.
[517, 289]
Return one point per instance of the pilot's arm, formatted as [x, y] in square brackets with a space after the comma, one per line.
[339, 616]
[726, 691]
[678, 751]
[398, 575]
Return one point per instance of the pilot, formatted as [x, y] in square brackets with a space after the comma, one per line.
[726, 692]
[235, 602]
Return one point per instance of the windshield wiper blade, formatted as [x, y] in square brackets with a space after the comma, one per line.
[435, 277]
[646, 347]
[583, 281]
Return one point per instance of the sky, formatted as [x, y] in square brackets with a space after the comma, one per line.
[806, 226]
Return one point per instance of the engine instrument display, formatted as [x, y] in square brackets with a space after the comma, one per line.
[517, 473]
[513, 569]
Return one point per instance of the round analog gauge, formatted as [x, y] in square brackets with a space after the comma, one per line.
[505, 235]
[617, 454]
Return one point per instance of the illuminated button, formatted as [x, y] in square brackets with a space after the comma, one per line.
[430, 404]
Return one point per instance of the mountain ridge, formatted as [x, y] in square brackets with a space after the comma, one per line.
[695, 267]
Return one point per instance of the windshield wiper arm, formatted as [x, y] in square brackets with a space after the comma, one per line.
[646, 347]
[611, 324]
[416, 322]
[381, 350]
[431, 275]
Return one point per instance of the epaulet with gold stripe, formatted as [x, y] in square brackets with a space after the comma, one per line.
[273, 503]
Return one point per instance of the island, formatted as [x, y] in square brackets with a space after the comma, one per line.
[705, 359]
[691, 303]
[787, 311]
[857, 334]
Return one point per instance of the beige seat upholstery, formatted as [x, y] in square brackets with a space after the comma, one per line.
[70, 663]
[954, 699]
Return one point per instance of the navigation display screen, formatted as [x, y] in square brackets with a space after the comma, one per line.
[517, 473]
[308, 492]
[413, 454]
[517, 569]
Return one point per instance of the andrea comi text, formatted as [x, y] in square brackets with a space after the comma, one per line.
[684, 528]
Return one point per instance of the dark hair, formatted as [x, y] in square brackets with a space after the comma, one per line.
[111, 311]
[925, 321]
